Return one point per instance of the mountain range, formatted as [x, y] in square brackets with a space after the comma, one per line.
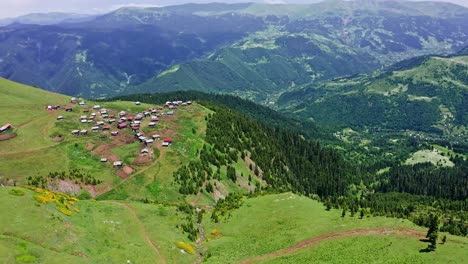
[252, 50]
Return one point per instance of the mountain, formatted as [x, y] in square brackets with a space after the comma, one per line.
[427, 94]
[47, 18]
[102, 57]
[226, 164]
[254, 50]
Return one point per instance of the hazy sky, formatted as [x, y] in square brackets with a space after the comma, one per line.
[13, 8]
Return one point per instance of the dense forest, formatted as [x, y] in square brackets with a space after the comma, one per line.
[290, 161]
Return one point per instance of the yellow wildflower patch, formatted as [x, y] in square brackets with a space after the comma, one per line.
[186, 247]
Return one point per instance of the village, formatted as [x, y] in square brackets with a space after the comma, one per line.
[121, 127]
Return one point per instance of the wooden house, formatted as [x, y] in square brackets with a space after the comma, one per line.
[122, 125]
[118, 164]
[75, 132]
[114, 133]
[5, 127]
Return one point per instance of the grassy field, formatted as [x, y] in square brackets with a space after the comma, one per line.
[373, 249]
[112, 232]
[434, 156]
[102, 232]
[275, 222]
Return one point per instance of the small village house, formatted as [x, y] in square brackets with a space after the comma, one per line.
[152, 124]
[97, 107]
[5, 127]
[73, 100]
[144, 151]
[122, 125]
[59, 117]
[118, 164]
[149, 142]
[75, 132]
[95, 128]
[156, 137]
[84, 132]
[111, 121]
[68, 109]
[137, 103]
[168, 140]
[106, 128]
[114, 133]
[104, 160]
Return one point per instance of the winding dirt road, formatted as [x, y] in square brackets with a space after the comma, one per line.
[143, 230]
[350, 233]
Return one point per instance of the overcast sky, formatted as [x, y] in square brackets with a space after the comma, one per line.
[13, 8]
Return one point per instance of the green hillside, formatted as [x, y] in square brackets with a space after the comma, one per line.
[107, 231]
[254, 50]
[202, 197]
[427, 95]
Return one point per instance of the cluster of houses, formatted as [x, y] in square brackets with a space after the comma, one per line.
[102, 120]
[5, 128]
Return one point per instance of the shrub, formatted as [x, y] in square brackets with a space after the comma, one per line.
[64, 210]
[16, 192]
[186, 247]
[25, 259]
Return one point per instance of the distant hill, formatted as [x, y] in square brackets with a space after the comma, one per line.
[254, 50]
[47, 18]
[422, 94]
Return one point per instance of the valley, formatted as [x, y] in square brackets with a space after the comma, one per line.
[330, 132]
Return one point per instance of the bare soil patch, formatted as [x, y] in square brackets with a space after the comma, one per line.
[57, 139]
[90, 146]
[124, 172]
[143, 159]
[8, 136]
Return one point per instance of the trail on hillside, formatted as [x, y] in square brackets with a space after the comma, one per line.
[328, 236]
[143, 229]
[200, 190]
[155, 163]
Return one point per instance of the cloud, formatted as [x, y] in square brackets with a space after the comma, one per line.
[274, 1]
[114, 7]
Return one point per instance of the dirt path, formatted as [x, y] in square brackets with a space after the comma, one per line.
[197, 198]
[201, 231]
[155, 163]
[143, 229]
[350, 233]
